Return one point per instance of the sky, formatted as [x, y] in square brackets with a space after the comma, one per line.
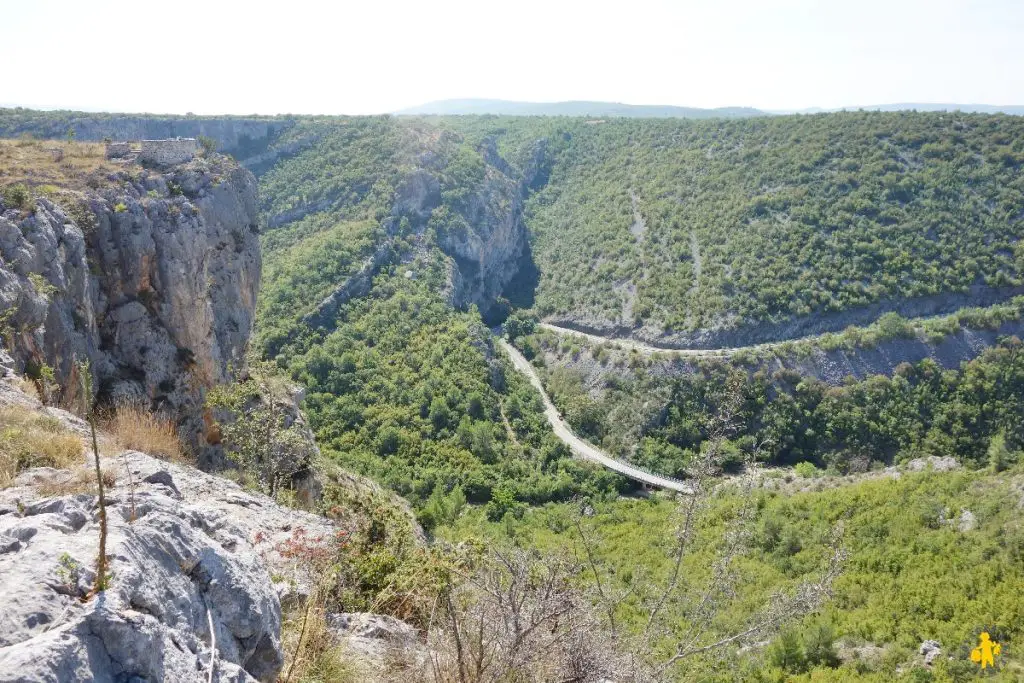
[374, 56]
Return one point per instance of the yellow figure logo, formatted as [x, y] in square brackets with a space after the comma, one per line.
[986, 652]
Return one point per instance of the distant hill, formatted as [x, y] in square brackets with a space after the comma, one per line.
[575, 108]
[1014, 109]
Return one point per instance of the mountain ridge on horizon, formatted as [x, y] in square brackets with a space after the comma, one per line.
[478, 106]
[498, 107]
[570, 108]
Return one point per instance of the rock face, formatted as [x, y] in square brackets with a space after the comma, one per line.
[358, 284]
[832, 367]
[483, 234]
[199, 552]
[490, 255]
[236, 134]
[929, 651]
[487, 251]
[728, 333]
[376, 639]
[152, 279]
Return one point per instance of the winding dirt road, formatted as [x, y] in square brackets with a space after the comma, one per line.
[577, 445]
[647, 349]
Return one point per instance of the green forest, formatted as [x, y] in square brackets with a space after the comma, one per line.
[767, 218]
[914, 571]
[784, 418]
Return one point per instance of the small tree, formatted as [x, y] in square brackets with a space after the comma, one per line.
[260, 433]
[787, 653]
[510, 615]
[18, 196]
[998, 453]
[208, 144]
[85, 374]
[519, 324]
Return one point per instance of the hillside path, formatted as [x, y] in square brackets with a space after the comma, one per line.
[694, 353]
[577, 445]
[640, 346]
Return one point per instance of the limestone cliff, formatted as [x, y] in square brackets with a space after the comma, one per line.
[151, 276]
[191, 560]
[489, 255]
[484, 234]
[486, 254]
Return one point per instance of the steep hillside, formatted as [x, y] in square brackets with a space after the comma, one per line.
[660, 411]
[385, 242]
[934, 555]
[731, 233]
[358, 194]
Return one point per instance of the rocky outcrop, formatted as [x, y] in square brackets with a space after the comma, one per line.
[376, 641]
[930, 651]
[487, 238]
[835, 366]
[483, 234]
[358, 284]
[197, 554]
[486, 249]
[489, 255]
[200, 571]
[152, 278]
[730, 334]
[830, 366]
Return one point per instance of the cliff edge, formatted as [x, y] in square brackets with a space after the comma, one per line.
[149, 274]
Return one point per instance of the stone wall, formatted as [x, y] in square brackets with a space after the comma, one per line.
[118, 150]
[169, 152]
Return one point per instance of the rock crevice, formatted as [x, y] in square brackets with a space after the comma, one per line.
[196, 543]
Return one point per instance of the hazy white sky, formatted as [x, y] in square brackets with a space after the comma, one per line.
[367, 56]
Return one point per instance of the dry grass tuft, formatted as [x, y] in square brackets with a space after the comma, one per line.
[319, 658]
[81, 481]
[27, 386]
[137, 429]
[42, 163]
[28, 439]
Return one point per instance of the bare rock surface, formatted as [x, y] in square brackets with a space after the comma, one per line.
[376, 640]
[930, 651]
[198, 543]
[729, 332]
[935, 463]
